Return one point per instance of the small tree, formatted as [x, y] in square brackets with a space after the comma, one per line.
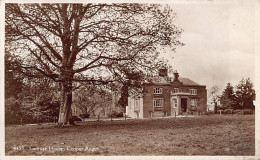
[214, 96]
[245, 94]
[227, 98]
[90, 98]
[134, 80]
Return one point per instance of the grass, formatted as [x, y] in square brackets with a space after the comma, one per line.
[204, 135]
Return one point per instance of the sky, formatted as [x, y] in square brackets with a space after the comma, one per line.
[219, 43]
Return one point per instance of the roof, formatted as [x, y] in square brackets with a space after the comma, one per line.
[184, 81]
[188, 82]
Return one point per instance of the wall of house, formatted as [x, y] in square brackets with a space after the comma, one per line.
[148, 108]
[201, 96]
[149, 111]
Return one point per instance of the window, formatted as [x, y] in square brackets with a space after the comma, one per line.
[193, 103]
[175, 103]
[157, 90]
[175, 90]
[193, 91]
[157, 102]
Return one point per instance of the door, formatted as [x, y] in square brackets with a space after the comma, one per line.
[183, 104]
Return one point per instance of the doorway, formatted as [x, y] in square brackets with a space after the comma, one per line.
[183, 104]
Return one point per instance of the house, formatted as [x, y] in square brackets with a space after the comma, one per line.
[168, 96]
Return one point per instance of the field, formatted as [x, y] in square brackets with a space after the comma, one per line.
[204, 135]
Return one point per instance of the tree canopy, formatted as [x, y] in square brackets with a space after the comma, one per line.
[95, 40]
[240, 97]
[245, 94]
[227, 99]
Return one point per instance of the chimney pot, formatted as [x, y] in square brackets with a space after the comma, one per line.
[176, 75]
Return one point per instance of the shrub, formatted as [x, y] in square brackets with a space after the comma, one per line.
[228, 111]
[115, 114]
[121, 114]
[237, 111]
[209, 112]
[222, 111]
[244, 111]
[247, 111]
[85, 115]
[193, 108]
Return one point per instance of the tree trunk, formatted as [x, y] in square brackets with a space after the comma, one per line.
[66, 101]
[66, 96]
[215, 107]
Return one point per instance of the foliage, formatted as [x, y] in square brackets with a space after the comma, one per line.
[13, 88]
[245, 94]
[40, 99]
[90, 98]
[13, 78]
[12, 111]
[241, 98]
[244, 111]
[227, 98]
[84, 115]
[37, 102]
[123, 101]
[115, 114]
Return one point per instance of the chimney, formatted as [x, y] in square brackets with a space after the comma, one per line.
[163, 72]
[176, 75]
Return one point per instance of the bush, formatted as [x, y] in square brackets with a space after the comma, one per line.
[121, 114]
[85, 115]
[74, 119]
[209, 112]
[228, 111]
[193, 108]
[247, 111]
[244, 111]
[115, 114]
[237, 111]
[222, 111]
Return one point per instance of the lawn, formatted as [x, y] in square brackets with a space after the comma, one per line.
[204, 135]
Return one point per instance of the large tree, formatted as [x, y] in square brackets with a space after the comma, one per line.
[88, 43]
[227, 99]
[245, 94]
